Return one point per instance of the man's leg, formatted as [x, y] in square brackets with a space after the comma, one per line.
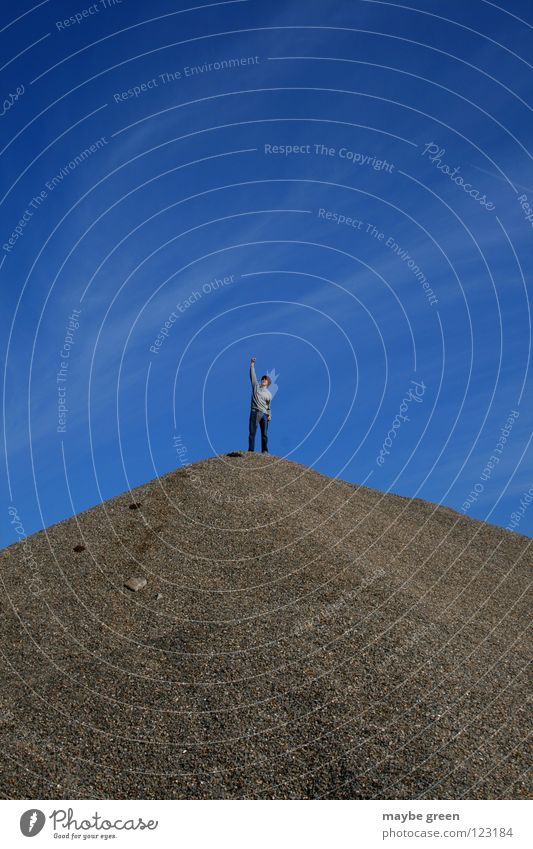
[252, 427]
[264, 434]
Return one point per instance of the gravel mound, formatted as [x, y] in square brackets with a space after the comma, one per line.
[297, 637]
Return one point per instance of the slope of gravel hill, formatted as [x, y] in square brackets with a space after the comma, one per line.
[297, 637]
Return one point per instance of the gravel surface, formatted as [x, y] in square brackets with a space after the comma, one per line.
[297, 637]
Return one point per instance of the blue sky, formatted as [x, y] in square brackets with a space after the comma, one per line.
[285, 178]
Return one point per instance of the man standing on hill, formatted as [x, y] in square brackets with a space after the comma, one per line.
[259, 409]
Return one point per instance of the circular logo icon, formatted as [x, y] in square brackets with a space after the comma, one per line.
[31, 822]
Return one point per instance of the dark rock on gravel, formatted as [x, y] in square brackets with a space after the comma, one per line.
[309, 638]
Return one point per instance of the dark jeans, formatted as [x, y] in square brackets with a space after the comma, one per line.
[255, 419]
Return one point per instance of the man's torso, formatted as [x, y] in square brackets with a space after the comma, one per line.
[261, 399]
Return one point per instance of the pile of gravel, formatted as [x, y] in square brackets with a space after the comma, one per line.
[291, 636]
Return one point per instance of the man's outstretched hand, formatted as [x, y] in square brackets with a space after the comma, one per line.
[252, 360]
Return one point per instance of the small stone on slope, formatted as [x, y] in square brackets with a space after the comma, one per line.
[135, 584]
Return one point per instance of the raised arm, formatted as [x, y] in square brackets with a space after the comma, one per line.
[253, 378]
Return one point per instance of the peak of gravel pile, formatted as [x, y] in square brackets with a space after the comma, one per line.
[245, 627]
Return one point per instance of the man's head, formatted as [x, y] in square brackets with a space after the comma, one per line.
[265, 380]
